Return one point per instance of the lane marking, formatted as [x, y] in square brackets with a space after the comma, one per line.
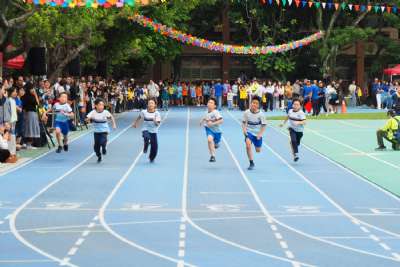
[14, 215]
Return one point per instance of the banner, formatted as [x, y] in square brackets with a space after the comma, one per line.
[219, 47]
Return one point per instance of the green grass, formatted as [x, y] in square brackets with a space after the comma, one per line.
[339, 116]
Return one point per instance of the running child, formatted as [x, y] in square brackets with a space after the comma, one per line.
[297, 119]
[63, 113]
[212, 122]
[254, 124]
[151, 122]
[99, 118]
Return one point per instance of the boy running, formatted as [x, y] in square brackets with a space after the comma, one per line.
[297, 119]
[254, 124]
[63, 113]
[211, 122]
[99, 117]
[151, 121]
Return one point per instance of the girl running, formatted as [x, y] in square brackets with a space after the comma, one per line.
[99, 117]
[297, 119]
[211, 122]
[254, 124]
[151, 121]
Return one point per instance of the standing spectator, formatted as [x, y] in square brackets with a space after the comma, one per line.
[375, 89]
[296, 89]
[396, 100]
[12, 95]
[218, 94]
[269, 89]
[235, 91]
[242, 97]
[352, 93]
[30, 102]
[4, 138]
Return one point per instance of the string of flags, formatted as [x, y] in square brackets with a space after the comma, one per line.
[331, 5]
[92, 3]
[219, 47]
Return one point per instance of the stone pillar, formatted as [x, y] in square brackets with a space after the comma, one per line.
[360, 56]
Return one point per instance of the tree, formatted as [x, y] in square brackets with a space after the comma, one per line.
[13, 17]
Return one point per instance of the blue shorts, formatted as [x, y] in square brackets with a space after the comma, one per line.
[63, 126]
[256, 142]
[215, 136]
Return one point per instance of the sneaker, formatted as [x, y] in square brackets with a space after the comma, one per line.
[296, 158]
[251, 167]
[381, 148]
[104, 151]
[65, 148]
[212, 159]
[98, 159]
[59, 149]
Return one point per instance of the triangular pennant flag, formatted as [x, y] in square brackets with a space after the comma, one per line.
[278, 2]
[343, 5]
[330, 5]
[394, 9]
[376, 8]
[270, 2]
[297, 2]
[304, 3]
[323, 5]
[310, 3]
[336, 6]
[317, 4]
[369, 7]
[284, 2]
[350, 6]
[383, 8]
[290, 2]
[389, 9]
[356, 7]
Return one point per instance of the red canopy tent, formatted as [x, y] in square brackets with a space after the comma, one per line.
[392, 71]
[16, 63]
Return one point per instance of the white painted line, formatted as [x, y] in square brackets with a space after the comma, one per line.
[13, 217]
[85, 233]
[270, 220]
[1, 222]
[72, 251]
[364, 229]
[385, 247]
[283, 244]
[183, 219]
[181, 264]
[79, 242]
[65, 261]
[181, 253]
[296, 264]
[225, 193]
[24, 261]
[91, 225]
[182, 235]
[274, 228]
[396, 256]
[278, 236]
[8, 217]
[182, 227]
[289, 254]
[182, 244]
[344, 212]
[96, 218]
[374, 237]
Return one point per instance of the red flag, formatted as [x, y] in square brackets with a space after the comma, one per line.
[297, 2]
[310, 3]
[369, 7]
[356, 7]
[389, 9]
[336, 5]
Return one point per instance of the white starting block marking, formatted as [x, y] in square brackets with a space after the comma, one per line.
[223, 207]
[144, 206]
[4, 204]
[62, 205]
[302, 209]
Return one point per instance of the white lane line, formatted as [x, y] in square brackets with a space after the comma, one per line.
[13, 217]
[274, 228]
[182, 235]
[278, 236]
[86, 233]
[384, 246]
[396, 256]
[283, 244]
[65, 261]
[289, 254]
[374, 237]
[364, 229]
[79, 242]
[1, 222]
[181, 253]
[72, 251]
[91, 225]
[204, 231]
[341, 209]
[24, 261]
[107, 227]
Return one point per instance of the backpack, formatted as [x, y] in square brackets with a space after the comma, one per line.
[396, 133]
